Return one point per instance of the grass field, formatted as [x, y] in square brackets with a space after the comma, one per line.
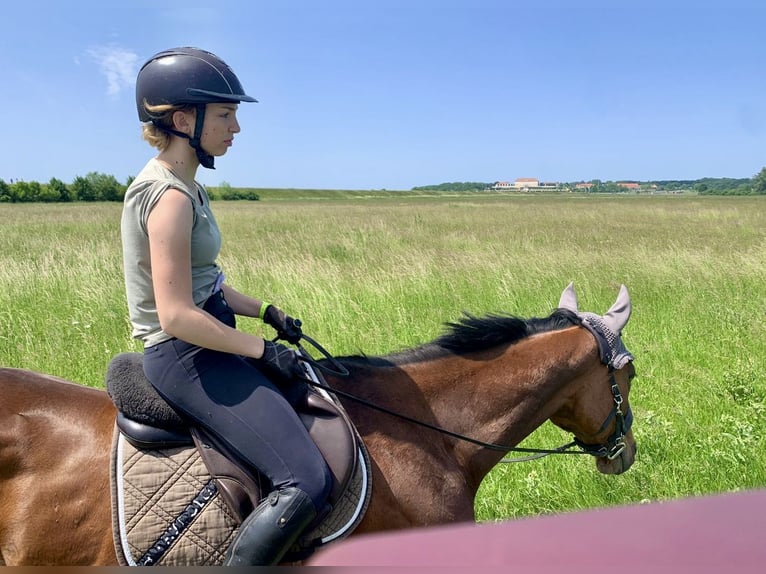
[376, 274]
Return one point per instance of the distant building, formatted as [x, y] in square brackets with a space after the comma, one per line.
[526, 182]
[523, 184]
[629, 185]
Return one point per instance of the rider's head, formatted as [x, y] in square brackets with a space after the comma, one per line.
[184, 79]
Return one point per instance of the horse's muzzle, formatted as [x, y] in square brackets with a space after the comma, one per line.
[623, 461]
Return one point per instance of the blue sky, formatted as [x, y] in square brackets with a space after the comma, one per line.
[357, 94]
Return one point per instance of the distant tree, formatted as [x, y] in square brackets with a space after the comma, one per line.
[58, 190]
[82, 190]
[597, 186]
[226, 192]
[105, 187]
[240, 193]
[759, 182]
[20, 191]
[222, 191]
[454, 186]
[606, 187]
[48, 194]
[97, 187]
[35, 191]
[5, 192]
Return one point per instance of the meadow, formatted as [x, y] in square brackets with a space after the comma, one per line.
[384, 272]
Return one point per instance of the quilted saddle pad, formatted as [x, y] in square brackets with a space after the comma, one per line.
[167, 510]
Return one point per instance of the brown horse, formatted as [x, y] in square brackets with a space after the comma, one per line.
[488, 381]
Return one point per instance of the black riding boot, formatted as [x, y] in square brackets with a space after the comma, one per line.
[267, 534]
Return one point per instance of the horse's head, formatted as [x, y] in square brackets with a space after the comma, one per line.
[599, 413]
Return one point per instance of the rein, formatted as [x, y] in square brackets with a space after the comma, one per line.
[611, 450]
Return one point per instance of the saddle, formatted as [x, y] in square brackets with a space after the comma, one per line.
[149, 424]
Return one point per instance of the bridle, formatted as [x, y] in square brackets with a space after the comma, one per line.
[614, 445]
[610, 450]
[616, 442]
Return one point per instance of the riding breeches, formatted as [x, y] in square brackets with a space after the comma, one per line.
[230, 397]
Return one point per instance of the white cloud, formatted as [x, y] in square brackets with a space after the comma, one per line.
[118, 65]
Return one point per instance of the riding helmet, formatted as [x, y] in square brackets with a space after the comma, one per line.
[186, 76]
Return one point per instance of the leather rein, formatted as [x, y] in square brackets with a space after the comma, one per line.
[614, 446]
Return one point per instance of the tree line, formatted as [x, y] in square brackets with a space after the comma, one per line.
[103, 187]
[93, 187]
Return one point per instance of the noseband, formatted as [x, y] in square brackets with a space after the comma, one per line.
[616, 442]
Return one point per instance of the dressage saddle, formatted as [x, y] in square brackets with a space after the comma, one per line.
[149, 423]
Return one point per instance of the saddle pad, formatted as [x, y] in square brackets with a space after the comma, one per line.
[166, 498]
[167, 511]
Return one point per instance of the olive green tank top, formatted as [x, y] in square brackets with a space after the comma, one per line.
[140, 198]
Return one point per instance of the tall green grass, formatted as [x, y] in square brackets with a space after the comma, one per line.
[377, 275]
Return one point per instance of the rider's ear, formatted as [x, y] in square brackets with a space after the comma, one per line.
[183, 121]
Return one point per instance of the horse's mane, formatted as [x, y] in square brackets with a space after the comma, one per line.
[472, 334]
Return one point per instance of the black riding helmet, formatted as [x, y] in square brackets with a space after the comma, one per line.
[182, 76]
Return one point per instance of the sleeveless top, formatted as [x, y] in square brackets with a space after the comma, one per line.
[140, 198]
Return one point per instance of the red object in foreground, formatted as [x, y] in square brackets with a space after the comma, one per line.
[714, 534]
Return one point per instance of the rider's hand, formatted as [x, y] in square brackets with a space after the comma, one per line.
[280, 364]
[287, 328]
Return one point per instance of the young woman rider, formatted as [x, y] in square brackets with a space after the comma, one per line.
[233, 383]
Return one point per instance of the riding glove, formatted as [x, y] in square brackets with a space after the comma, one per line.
[287, 328]
[281, 365]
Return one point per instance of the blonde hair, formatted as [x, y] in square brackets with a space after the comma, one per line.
[162, 115]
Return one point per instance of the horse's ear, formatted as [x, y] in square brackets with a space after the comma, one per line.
[569, 299]
[619, 313]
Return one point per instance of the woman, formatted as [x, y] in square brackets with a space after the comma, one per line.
[214, 375]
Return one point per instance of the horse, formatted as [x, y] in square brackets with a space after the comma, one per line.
[445, 413]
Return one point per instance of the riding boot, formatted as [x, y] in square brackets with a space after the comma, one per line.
[267, 534]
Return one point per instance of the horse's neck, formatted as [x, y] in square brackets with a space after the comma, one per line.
[502, 398]
[497, 396]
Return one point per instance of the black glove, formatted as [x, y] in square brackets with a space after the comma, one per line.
[278, 361]
[281, 366]
[287, 328]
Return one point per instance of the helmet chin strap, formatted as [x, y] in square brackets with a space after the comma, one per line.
[204, 158]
